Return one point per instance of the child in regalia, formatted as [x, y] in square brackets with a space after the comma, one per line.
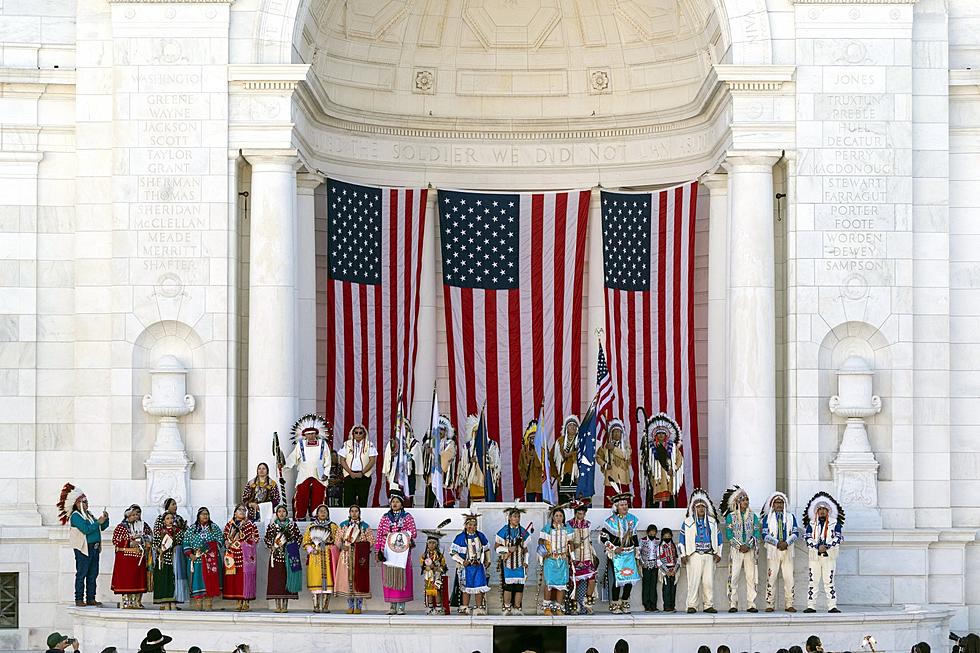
[434, 572]
[554, 549]
[511, 546]
[471, 551]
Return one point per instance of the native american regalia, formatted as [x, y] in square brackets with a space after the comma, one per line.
[662, 461]
[85, 539]
[434, 572]
[204, 546]
[614, 461]
[241, 538]
[622, 569]
[285, 579]
[312, 460]
[395, 537]
[472, 475]
[827, 533]
[353, 579]
[413, 455]
[260, 491]
[180, 561]
[553, 545]
[529, 465]
[699, 541]
[563, 459]
[779, 527]
[448, 461]
[133, 552]
[585, 561]
[512, 541]
[471, 552]
[741, 529]
[168, 557]
[320, 542]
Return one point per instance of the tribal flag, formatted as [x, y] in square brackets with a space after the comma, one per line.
[585, 456]
[374, 261]
[648, 259]
[512, 272]
[435, 440]
[542, 445]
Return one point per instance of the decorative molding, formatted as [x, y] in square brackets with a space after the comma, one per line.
[170, 2]
[269, 85]
[42, 76]
[284, 77]
[754, 78]
[599, 83]
[964, 77]
[424, 82]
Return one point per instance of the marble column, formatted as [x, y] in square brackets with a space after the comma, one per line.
[272, 275]
[751, 375]
[306, 184]
[717, 185]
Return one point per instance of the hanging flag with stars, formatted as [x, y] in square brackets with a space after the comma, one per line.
[374, 261]
[512, 271]
[648, 261]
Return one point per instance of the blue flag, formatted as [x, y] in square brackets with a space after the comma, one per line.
[586, 455]
[541, 449]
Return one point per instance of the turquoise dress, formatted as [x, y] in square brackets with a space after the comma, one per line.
[553, 550]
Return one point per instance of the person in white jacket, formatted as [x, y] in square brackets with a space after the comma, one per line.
[699, 542]
[779, 532]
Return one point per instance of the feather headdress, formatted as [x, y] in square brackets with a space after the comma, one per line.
[664, 423]
[446, 426]
[767, 508]
[436, 533]
[729, 500]
[66, 502]
[307, 422]
[835, 512]
[470, 425]
[701, 496]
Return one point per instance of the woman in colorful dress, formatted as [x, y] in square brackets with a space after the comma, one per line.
[353, 574]
[180, 568]
[285, 569]
[619, 537]
[554, 550]
[434, 571]
[204, 545]
[132, 539]
[393, 543]
[511, 545]
[320, 541]
[261, 489]
[471, 552]
[167, 538]
[241, 537]
[585, 562]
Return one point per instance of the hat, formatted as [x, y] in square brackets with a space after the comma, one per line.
[66, 502]
[396, 493]
[305, 424]
[470, 516]
[700, 496]
[154, 641]
[767, 508]
[729, 501]
[622, 496]
[580, 504]
[835, 512]
[56, 638]
[436, 533]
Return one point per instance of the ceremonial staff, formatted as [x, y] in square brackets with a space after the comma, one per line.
[280, 463]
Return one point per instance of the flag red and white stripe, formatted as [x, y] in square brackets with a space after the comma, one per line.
[373, 271]
[650, 328]
[514, 341]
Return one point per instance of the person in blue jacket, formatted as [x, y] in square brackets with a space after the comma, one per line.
[85, 538]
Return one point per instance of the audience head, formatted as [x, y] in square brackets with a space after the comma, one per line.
[724, 649]
[813, 644]
[652, 531]
[970, 644]
[795, 649]
[592, 649]
[194, 649]
[782, 650]
[621, 647]
[704, 649]
[921, 647]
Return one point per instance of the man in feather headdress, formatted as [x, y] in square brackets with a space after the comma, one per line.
[564, 459]
[823, 522]
[662, 461]
[472, 474]
[312, 460]
[529, 465]
[744, 532]
[780, 532]
[614, 460]
[447, 460]
[699, 542]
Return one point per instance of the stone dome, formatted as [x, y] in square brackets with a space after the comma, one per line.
[512, 60]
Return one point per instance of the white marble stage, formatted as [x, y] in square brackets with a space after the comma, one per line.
[301, 631]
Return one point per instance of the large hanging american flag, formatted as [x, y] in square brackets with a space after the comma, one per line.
[648, 259]
[512, 270]
[374, 261]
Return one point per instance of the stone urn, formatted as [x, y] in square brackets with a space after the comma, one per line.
[168, 467]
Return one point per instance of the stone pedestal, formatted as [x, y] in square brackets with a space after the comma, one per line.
[855, 468]
[168, 467]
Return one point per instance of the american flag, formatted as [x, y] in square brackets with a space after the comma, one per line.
[603, 391]
[374, 261]
[648, 258]
[512, 269]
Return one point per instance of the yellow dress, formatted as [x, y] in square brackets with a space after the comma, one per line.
[319, 540]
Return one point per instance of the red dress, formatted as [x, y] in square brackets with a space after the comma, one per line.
[240, 539]
[132, 543]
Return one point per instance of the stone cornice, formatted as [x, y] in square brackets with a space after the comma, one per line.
[765, 79]
[279, 78]
[41, 77]
[964, 77]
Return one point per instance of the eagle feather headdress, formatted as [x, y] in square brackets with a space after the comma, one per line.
[309, 421]
[66, 502]
[729, 500]
[700, 495]
[835, 512]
